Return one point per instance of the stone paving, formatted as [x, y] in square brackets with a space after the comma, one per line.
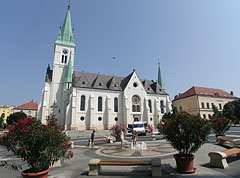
[77, 167]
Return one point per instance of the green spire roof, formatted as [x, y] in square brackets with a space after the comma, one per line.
[68, 76]
[160, 80]
[65, 35]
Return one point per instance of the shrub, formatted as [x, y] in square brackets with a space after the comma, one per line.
[38, 144]
[185, 132]
[116, 130]
[220, 125]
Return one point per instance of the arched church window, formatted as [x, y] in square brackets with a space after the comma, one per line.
[82, 106]
[162, 106]
[116, 104]
[64, 56]
[135, 103]
[150, 105]
[99, 103]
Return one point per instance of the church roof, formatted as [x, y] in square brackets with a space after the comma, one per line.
[204, 91]
[29, 105]
[108, 82]
[65, 35]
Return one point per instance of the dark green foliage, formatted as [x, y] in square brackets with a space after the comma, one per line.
[170, 114]
[15, 117]
[216, 113]
[231, 110]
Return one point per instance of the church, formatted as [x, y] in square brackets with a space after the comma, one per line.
[82, 100]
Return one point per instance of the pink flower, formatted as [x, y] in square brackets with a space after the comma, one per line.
[21, 149]
[70, 153]
[8, 127]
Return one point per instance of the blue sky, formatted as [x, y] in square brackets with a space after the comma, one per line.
[197, 42]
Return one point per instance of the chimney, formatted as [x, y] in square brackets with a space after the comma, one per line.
[231, 92]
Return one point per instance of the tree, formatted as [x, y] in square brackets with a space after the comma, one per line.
[216, 113]
[170, 114]
[15, 117]
[1, 120]
[231, 110]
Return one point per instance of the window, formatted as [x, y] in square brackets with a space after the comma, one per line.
[220, 106]
[135, 84]
[180, 108]
[99, 103]
[150, 105]
[115, 104]
[208, 105]
[64, 56]
[162, 106]
[82, 118]
[203, 105]
[212, 105]
[82, 107]
[135, 103]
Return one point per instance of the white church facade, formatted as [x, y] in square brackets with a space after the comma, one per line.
[82, 100]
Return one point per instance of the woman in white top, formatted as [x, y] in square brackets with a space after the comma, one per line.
[122, 138]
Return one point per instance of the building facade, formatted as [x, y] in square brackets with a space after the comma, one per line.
[5, 111]
[29, 108]
[82, 100]
[200, 100]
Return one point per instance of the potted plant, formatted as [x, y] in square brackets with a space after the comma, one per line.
[220, 125]
[186, 133]
[39, 145]
[116, 131]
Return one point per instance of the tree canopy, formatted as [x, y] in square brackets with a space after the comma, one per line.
[15, 117]
[231, 110]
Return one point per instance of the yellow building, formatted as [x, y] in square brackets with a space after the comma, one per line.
[199, 100]
[5, 111]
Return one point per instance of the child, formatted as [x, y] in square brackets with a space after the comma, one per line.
[134, 138]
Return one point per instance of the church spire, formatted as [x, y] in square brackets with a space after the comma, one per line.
[160, 80]
[68, 76]
[65, 35]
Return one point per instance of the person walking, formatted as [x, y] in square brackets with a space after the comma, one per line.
[92, 138]
[122, 138]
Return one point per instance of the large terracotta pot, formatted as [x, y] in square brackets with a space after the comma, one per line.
[118, 139]
[42, 174]
[185, 163]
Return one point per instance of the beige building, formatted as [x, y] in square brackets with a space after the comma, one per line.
[30, 109]
[5, 111]
[200, 100]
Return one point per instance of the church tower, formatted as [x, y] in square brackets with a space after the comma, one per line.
[160, 80]
[64, 50]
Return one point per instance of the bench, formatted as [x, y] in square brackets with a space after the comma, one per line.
[218, 158]
[95, 165]
[222, 140]
[153, 137]
[108, 139]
